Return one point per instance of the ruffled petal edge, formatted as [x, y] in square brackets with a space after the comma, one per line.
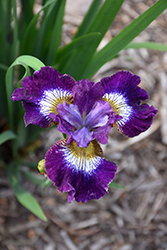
[82, 172]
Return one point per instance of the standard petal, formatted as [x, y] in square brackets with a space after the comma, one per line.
[124, 96]
[85, 94]
[80, 171]
[41, 93]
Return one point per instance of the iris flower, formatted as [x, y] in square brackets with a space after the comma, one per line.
[85, 111]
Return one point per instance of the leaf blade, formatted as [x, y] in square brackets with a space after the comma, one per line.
[147, 45]
[88, 18]
[25, 61]
[31, 31]
[24, 197]
[116, 185]
[100, 23]
[124, 38]
[56, 34]
[64, 53]
[7, 135]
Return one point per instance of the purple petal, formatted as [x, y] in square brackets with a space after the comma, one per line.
[99, 115]
[85, 94]
[70, 113]
[64, 127]
[82, 137]
[101, 134]
[124, 96]
[100, 119]
[140, 120]
[80, 171]
[41, 93]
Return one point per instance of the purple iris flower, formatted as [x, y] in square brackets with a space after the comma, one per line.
[88, 118]
[85, 111]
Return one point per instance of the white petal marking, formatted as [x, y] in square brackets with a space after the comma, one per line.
[87, 165]
[51, 98]
[119, 104]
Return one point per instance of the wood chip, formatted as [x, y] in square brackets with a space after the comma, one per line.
[123, 145]
[163, 81]
[69, 243]
[85, 223]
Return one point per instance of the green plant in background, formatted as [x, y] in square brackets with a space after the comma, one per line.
[22, 41]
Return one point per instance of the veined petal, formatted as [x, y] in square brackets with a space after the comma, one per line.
[70, 113]
[80, 171]
[85, 94]
[124, 96]
[41, 93]
[140, 120]
[99, 115]
[101, 133]
[82, 137]
[64, 127]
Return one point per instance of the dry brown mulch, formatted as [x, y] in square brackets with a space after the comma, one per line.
[131, 219]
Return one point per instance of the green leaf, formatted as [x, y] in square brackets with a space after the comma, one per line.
[15, 31]
[27, 9]
[88, 18]
[31, 31]
[41, 182]
[56, 34]
[26, 62]
[27, 164]
[30, 61]
[46, 183]
[147, 45]
[124, 38]
[44, 35]
[100, 23]
[116, 185]
[5, 28]
[24, 197]
[6, 136]
[3, 67]
[5, 51]
[33, 178]
[64, 52]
